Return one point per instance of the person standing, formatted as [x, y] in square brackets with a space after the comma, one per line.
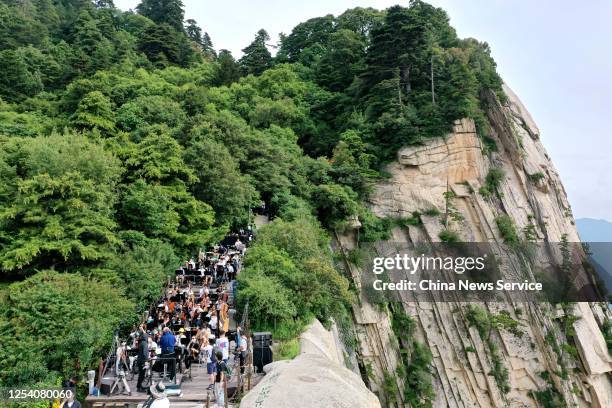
[143, 356]
[220, 370]
[242, 350]
[230, 272]
[223, 345]
[207, 354]
[167, 344]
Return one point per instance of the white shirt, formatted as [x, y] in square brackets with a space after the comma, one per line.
[161, 403]
[223, 344]
[208, 350]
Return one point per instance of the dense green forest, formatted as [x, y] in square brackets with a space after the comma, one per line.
[127, 141]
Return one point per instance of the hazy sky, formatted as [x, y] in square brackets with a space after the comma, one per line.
[555, 54]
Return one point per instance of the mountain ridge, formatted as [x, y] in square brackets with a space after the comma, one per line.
[594, 229]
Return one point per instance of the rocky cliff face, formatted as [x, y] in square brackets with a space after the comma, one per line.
[532, 195]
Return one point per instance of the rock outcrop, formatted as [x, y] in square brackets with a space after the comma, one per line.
[316, 378]
[532, 195]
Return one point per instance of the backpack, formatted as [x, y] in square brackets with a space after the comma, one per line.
[227, 371]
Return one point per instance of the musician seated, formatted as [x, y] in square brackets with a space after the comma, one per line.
[193, 351]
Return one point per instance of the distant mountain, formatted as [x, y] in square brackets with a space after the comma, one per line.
[598, 233]
[592, 230]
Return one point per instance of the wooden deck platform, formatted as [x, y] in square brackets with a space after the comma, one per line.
[193, 391]
[193, 383]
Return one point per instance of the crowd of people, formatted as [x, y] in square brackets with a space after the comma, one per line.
[191, 322]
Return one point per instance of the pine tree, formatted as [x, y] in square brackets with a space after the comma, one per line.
[93, 50]
[163, 45]
[169, 12]
[256, 58]
[193, 31]
[207, 45]
[47, 14]
[229, 70]
[343, 60]
[17, 82]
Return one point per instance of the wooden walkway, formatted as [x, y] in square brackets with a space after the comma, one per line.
[193, 383]
[193, 389]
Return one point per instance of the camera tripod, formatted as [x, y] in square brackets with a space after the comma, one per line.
[121, 368]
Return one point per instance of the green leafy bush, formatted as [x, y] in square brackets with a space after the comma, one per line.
[287, 350]
[499, 371]
[478, 317]
[505, 321]
[449, 236]
[536, 177]
[372, 227]
[293, 258]
[57, 324]
[432, 212]
[492, 182]
[335, 203]
[507, 230]
[403, 325]
[489, 144]
[607, 332]
[418, 388]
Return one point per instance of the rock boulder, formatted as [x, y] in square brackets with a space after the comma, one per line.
[315, 378]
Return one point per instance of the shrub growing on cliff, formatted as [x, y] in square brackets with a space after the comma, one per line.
[416, 359]
[607, 332]
[536, 177]
[499, 371]
[478, 317]
[403, 325]
[449, 236]
[372, 227]
[495, 177]
[507, 230]
[414, 220]
[418, 389]
[492, 182]
[335, 203]
[432, 212]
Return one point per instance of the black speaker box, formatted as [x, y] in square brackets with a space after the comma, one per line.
[262, 339]
[105, 385]
[261, 357]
